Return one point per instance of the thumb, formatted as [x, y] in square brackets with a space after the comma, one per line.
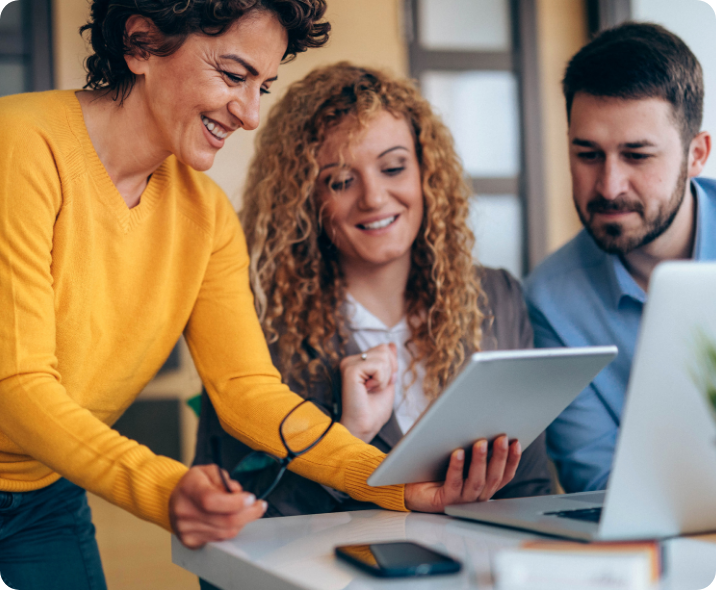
[393, 356]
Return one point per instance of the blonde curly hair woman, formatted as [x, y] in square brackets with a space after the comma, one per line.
[361, 265]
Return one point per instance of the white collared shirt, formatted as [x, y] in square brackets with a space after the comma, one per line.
[368, 331]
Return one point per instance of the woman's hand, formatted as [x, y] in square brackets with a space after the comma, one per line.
[482, 482]
[368, 390]
[201, 511]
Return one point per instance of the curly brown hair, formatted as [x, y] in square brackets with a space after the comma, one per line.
[175, 20]
[296, 277]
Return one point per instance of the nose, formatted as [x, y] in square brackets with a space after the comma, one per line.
[374, 195]
[613, 179]
[246, 108]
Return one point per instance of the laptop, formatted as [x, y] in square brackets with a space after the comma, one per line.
[664, 473]
[513, 392]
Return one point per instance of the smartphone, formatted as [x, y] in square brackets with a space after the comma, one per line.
[398, 559]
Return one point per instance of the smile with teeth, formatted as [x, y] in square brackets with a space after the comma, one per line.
[214, 128]
[380, 224]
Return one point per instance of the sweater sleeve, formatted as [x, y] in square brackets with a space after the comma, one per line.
[231, 355]
[38, 417]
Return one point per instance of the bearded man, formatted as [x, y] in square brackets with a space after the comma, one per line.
[634, 104]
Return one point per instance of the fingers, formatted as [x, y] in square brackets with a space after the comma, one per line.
[212, 474]
[198, 518]
[483, 480]
[393, 357]
[376, 371]
[210, 496]
[513, 461]
[496, 468]
[367, 391]
[434, 496]
[226, 480]
[475, 482]
[200, 509]
[197, 531]
[452, 488]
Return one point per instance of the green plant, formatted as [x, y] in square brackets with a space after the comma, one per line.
[705, 376]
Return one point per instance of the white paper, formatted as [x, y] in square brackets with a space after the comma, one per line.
[542, 570]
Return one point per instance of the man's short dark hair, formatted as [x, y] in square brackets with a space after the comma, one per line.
[637, 61]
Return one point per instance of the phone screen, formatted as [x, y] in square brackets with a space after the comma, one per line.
[401, 558]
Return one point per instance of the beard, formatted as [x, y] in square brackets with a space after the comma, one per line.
[613, 238]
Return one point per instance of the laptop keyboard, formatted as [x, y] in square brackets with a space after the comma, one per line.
[588, 514]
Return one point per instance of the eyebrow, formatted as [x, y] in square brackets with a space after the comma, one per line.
[632, 145]
[397, 147]
[240, 60]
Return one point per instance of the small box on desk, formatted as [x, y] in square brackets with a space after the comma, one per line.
[557, 565]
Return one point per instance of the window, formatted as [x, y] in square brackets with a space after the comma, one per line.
[25, 47]
[602, 14]
[476, 63]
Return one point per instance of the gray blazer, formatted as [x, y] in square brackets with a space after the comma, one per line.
[506, 326]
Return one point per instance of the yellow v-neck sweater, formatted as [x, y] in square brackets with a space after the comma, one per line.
[93, 296]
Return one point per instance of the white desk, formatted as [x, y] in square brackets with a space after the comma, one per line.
[296, 553]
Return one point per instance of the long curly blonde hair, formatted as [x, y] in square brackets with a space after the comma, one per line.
[297, 281]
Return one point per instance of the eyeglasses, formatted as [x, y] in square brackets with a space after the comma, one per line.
[259, 472]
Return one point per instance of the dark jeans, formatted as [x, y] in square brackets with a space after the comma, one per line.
[47, 540]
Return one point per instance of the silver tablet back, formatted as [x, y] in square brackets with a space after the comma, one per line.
[515, 392]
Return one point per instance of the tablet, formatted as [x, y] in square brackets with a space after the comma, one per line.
[513, 392]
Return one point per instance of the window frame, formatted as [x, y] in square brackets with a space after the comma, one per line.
[522, 61]
[33, 45]
[603, 14]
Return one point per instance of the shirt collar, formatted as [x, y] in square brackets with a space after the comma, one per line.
[624, 285]
[359, 318]
[705, 241]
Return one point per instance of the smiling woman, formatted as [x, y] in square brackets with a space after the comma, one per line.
[361, 267]
[112, 244]
[187, 74]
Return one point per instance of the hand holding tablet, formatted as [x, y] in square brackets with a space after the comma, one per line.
[518, 393]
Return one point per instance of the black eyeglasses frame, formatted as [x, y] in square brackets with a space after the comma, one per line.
[333, 412]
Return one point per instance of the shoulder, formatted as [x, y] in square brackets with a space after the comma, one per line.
[36, 119]
[32, 106]
[580, 251]
[38, 151]
[497, 282]
[567, 269]
[34, 111]
[506, 324]
[200, 198]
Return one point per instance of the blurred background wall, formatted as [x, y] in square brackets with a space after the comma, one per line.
[695, 22]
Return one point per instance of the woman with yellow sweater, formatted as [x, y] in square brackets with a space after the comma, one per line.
[111, 245]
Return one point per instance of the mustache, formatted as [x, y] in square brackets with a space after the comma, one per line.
[620, 205]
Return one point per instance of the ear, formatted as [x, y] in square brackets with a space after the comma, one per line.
[142, 28]
[699, 151]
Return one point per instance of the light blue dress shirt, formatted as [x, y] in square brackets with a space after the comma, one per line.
[582, 296]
